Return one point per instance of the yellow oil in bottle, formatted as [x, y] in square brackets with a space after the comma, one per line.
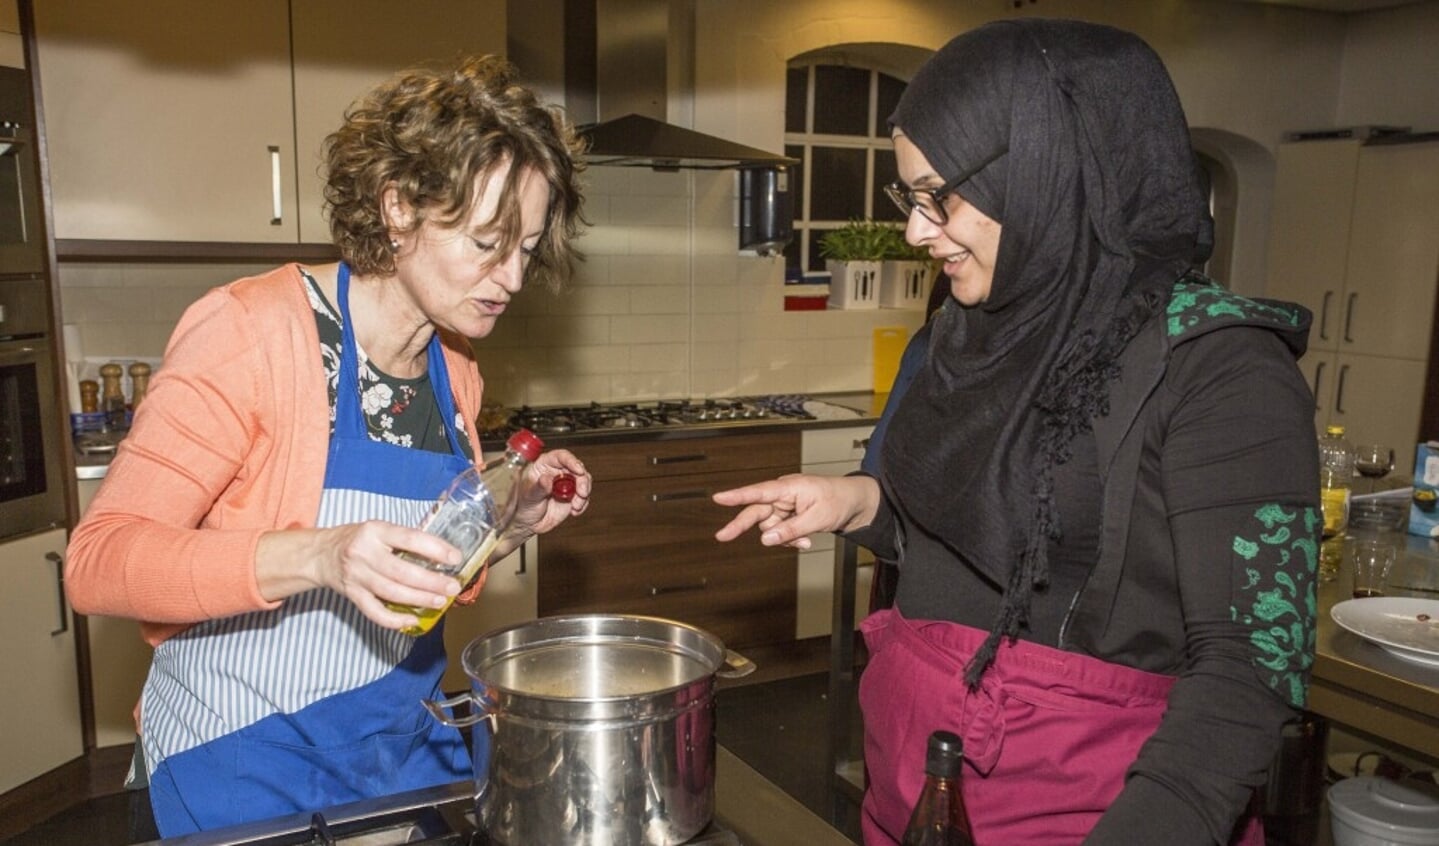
[429, 616]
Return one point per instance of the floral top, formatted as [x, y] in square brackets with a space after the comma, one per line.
[397, 411]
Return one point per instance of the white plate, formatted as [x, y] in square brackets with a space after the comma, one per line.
[1406, 627]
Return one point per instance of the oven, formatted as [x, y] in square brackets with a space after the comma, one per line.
[32, 490]
[22, 234]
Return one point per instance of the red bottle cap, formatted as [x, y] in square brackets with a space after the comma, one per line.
[527, 444]
[563, 489]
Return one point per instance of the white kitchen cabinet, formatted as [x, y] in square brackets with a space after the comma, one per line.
[179, 121]
[1377, 399]
[343, 48]
[1309, 230]
[829, 452]
[119, 663]
[510, 596]
[1355, 237]
[168, 120]
[40, 710]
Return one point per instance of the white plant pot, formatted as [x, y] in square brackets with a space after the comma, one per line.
[853, 284]
[904, 284]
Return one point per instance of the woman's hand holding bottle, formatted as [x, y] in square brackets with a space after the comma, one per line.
[373, 563]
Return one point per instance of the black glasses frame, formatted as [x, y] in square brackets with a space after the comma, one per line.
[904, 198]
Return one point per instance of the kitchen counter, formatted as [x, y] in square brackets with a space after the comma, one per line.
[762, 814]
[1359, 685]
[866, 406]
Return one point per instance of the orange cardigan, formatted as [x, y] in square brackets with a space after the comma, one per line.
[230, 443]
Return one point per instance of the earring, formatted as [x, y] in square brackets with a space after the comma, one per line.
[394, 245]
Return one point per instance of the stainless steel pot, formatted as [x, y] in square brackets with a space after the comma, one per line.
[593, 729]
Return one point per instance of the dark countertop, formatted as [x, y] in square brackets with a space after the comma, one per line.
[1358, 684]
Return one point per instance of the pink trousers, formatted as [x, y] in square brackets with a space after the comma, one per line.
[1047, 736]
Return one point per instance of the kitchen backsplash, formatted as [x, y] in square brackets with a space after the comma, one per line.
[664, 306]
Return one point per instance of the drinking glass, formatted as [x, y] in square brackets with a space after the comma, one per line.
[1373, 461]
[1372, 559]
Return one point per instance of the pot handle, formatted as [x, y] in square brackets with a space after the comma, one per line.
[736, 666]
[477, 710]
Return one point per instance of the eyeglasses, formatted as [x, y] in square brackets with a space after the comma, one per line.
[929, 202]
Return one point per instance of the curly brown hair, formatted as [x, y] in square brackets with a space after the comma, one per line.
[429, 132]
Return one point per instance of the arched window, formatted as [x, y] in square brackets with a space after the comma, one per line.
[835, 125]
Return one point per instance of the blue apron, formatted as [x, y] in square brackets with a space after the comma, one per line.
[312, 704]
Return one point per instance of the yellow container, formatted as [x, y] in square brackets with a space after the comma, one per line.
[889, 343]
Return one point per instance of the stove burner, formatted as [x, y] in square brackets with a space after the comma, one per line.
[645, 415]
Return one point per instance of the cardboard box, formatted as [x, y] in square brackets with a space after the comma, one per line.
[1424, 510]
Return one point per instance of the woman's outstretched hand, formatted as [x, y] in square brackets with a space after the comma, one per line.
[789, 509]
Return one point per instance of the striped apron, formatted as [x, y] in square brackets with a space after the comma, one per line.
[312, 704]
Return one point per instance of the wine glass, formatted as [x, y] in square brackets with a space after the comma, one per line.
[1373, 461]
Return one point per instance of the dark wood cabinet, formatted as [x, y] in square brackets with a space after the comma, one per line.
[646, 545]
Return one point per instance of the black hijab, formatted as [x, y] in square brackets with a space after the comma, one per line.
[1101, 211]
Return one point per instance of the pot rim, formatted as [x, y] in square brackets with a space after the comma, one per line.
[504, 643]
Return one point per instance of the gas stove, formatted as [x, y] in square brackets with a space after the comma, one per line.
[437, 816]
[653, 414]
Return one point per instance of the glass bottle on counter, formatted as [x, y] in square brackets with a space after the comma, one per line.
[939, 817]
[471, 515]
[1336, 477]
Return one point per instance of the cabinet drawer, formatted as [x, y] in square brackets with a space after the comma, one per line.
[847, 444]
[646, 546]
[666, 458]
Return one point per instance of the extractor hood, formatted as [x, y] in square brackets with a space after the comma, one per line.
[639, 141]
[626, 70]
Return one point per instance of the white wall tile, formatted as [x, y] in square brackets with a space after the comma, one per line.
[647, 329]
[659, 309]
[673, 300]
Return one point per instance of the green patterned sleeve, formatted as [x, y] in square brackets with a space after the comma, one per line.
[1275, 557]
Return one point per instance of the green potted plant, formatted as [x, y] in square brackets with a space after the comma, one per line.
[905, 272]
[853, 254]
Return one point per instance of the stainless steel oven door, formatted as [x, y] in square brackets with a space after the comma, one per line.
[32, 489]
[22, 245]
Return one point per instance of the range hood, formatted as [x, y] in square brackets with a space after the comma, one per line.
[626, 70]
[639, 141]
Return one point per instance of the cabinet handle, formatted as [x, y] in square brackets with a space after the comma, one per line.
[861, 444]
[676, 459]
[278, 211]
[702, 584]
[1318, 378]
[671, 497]
[1349, 317]
[1339, 394]
[1324, 316]
[54, 558]
[521, 571]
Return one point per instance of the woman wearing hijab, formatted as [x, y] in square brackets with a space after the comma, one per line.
[302, 425]
[1101, 488]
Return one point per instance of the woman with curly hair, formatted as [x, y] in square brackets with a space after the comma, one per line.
[302, 424]
[1101, 488]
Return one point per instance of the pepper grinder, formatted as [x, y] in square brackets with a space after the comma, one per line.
[139, 383]
[89, 396]
[112, 397]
